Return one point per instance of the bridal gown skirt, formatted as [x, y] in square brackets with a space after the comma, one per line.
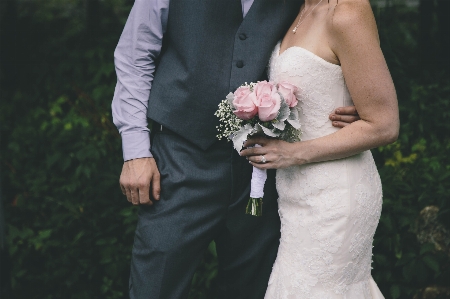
[329, 213]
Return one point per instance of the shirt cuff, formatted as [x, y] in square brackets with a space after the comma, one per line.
[136, 145]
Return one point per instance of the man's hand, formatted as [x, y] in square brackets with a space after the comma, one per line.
[344, 116]
[140, 177]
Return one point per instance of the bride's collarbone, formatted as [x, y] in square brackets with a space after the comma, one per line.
[313, 34]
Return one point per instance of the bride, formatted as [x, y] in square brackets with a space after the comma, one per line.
[329, 189]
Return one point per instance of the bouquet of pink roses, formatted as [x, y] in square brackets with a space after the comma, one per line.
[261, 108]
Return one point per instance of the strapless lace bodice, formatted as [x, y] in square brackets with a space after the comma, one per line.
[329, 210]
[321, 87]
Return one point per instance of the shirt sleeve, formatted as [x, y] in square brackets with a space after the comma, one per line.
[134, 59]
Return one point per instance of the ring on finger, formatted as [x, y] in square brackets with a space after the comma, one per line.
[263, 159]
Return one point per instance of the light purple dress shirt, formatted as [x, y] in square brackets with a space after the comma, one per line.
[138, 47]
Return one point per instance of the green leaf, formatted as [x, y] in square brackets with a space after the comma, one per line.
[431, 262]
[45, 234]
[425, 248]
[409, 270]
[395, 291]
[212, 248]
[240, 136]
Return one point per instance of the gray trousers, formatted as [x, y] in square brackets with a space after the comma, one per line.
[203, 198]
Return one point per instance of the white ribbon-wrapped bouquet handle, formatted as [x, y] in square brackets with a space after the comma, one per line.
[259, 177]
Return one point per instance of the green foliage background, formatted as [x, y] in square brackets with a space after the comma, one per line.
[70, 231]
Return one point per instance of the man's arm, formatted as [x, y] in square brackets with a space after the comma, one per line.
[134, 58]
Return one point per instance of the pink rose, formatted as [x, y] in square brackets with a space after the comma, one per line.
[245, 103]
[288, 91]
[268, 100]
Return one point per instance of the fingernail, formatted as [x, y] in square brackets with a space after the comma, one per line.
[333, 117]
[338, 111]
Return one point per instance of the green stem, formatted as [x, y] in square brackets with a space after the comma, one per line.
[254, 206]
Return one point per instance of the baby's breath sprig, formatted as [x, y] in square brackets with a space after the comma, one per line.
[229, 123]
[290, 134]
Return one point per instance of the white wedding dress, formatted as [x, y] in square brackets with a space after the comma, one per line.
[329, 210]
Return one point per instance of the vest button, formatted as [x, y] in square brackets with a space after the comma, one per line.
[239, 63]
[242, 36]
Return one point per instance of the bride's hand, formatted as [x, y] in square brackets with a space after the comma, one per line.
[277, 153]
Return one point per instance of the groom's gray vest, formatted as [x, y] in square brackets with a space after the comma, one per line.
[208, 51]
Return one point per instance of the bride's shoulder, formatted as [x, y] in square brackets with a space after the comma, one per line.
[350, 19]
[346, 11]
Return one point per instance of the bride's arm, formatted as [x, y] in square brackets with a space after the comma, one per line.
[354, 40]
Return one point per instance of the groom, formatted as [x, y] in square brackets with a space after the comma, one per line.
[191, 188]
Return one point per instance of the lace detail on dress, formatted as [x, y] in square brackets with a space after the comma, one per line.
[315, 78]
[329, 211]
